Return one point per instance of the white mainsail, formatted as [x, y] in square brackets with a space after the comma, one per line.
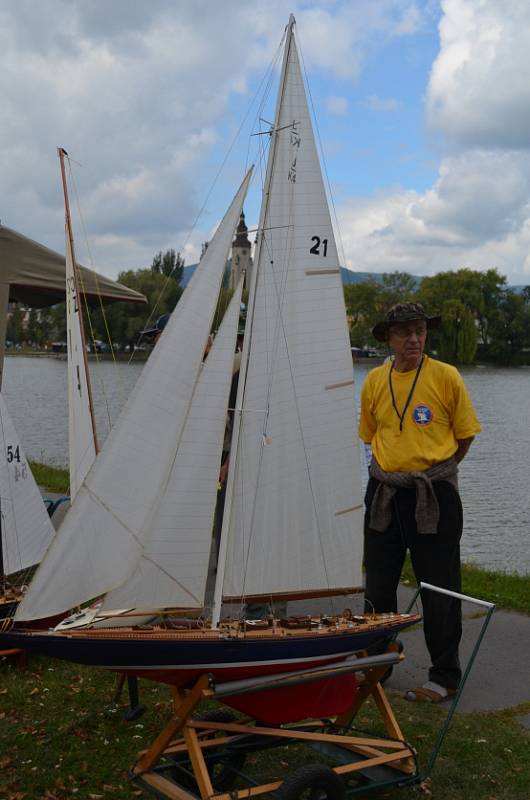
[173, 568]
[101, 540]
[80, 431]
[26, 529]
[296, 520]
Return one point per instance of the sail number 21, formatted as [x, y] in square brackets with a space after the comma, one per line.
[315, 250]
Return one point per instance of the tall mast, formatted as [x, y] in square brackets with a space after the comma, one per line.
[223, 549]
[68, 221]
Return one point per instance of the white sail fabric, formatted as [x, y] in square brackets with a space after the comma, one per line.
[101, 540]
[26, 529]
[296, 518]
[80, 433]
[173, 568]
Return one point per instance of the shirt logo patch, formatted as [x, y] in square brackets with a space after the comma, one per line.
[422, 415]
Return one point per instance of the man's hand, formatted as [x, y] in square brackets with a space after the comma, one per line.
[463, 447]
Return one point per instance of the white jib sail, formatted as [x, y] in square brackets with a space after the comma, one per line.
[80, 433]
[296, 519]
[101, 539]
[173, 568]
[26, 529]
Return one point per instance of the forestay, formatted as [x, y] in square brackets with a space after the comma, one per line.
[101, 540]
[296, 519]
[26, 530]
[80, 431]
[173, 568]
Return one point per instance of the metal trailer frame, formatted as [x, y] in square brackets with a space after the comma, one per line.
[182, 768]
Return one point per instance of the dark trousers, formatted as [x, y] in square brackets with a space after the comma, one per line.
[435, 559]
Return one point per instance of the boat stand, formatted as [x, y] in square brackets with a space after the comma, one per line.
[206, 758]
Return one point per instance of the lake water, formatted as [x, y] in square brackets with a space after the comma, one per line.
[494, 477]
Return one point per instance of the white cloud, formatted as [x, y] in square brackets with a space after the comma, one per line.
[139, 93]
[376, 103]
[337, 105]
[477, 214]
[479, 92]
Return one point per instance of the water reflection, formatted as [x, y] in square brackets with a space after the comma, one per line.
[493, 478]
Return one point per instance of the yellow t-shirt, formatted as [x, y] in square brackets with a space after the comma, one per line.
[439, 413]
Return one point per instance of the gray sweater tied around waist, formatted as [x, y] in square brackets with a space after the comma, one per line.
[427, 509]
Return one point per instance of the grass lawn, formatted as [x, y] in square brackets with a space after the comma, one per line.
[62, 737]
[51, 479]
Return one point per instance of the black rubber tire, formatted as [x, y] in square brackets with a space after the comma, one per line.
[313, 782]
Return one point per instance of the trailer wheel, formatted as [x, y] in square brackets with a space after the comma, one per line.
[221, 767]
[312, 782]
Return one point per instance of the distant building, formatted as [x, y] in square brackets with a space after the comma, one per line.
[241, 260]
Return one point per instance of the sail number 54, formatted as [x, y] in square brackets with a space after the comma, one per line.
[13, 453]
[315, 250]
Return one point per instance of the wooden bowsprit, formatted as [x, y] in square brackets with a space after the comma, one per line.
[209, 754]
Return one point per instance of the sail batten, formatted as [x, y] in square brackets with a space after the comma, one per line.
[99, 545]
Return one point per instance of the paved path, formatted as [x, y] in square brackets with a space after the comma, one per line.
[500, 677]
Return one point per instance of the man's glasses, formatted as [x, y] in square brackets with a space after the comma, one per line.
[405, 332]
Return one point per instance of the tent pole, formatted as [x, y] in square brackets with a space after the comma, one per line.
[4, 300]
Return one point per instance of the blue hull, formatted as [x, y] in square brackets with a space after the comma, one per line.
[178, 660]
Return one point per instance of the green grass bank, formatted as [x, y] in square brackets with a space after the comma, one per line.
[62, 737]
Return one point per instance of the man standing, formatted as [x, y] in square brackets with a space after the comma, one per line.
[417, 416]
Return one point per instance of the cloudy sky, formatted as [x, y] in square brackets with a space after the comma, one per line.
[423, 109]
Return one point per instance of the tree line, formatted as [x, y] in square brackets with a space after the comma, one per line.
[483, 319]
[119, 324]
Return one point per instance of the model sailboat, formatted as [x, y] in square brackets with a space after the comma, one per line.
[25, 527]
[139, 531]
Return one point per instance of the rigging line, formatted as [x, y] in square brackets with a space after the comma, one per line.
[148, 521]
[273, 140]
[269, 74]
[323, 159]
[73, 183]
[282, 326]
[212, 186]
[274, 339]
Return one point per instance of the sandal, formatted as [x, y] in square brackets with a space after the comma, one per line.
[430, 692]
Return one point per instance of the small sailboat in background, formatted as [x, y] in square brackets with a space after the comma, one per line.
[139, 531]
[25, 527]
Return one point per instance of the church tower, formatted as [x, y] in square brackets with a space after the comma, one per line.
[241, 260]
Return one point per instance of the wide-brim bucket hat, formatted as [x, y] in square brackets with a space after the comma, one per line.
[403, 312]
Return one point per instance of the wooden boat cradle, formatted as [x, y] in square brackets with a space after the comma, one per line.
[193, 740]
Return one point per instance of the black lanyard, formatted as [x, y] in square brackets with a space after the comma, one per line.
[401, 417]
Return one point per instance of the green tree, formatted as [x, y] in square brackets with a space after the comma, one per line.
[510, 334]
[170, 264]
[125, 321]
[397, 287]
[457, 336]
[15, 329]
[363, 303]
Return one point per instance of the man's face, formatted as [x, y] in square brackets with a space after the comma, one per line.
[407, 340]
